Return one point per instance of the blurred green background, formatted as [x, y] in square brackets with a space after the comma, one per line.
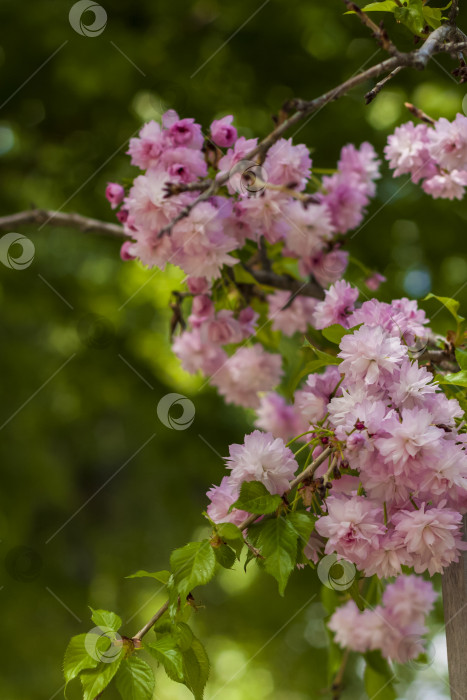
[94, 486]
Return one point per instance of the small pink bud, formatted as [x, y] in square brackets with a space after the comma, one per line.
[125, 251]
[115, 194]
[223, 133]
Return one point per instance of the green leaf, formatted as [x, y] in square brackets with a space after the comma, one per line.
[167, 652]
[105, 618]
[303, 524]
[243, 276]
[458, 378]
[411, 16]
[255, 498]
[452, 305]
[225, 556]
[183, 635]
[277, 542]
[232, 534]
[77, 658]
[378, 685]
[196, 668]
[192, 565]
[355, 593]
[433, 16]
[324, 357]
[96, 680]
[162, 576]
[385, 6]
[336, 332]
[461, 357]
[378, 663]
[135, 679]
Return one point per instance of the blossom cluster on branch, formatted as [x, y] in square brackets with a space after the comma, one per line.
[435, 154]
[360, 471]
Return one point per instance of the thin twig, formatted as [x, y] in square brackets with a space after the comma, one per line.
[370, 96]
[289, 284]
[55, 218]
[379, 32]
[336, 688]
[151, 622]
[419, 114]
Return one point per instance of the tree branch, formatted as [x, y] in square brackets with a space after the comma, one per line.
[139, 635]
[54, 218]
[289, 284]
[418, 59]
[370, 96]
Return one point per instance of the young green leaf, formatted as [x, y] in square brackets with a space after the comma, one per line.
[377, 684]
[378, 663]
[225, 556]
[303, 524]
[231, 534]
[336, 332]
[461, 357]
[255, 498]
[97, 679]
[324, 357]
[433, 16]
[105, 618]
[385, 6]
[183, 635]
[458, 378]
[452, 305]
[135, 679]
[277, 542]
[161, 576]
[411, 15]
[192, 565]
[167, 652]
[77, 658]
[196, 668]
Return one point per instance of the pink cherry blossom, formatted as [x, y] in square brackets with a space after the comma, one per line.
[353, 527]
[262, 458]
[290, 314]
[274, 415]
[287, 164]
[223, 133]
[115, 194]
[221, 498]
[370, 354]
[447, 185]
[337, 305]
[248, 371]
[432, 536]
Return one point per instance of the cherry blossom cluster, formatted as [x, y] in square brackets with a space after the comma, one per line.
[396, 627]
[273, 205]
[240, 376]
[435, 155]
[398, 469]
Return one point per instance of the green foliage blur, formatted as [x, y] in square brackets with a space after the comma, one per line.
[94, 486]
